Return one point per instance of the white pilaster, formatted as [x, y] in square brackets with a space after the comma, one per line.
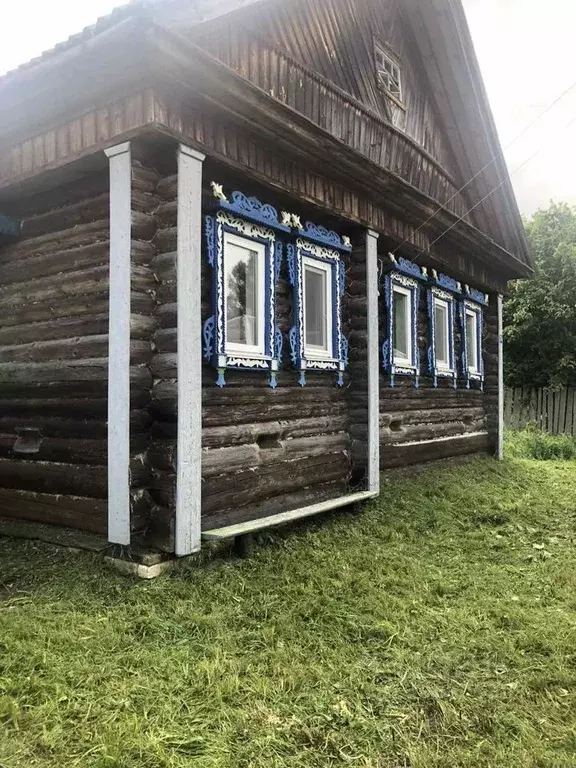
[189, 462]
[119, 346]
[500, 444]
[373, 469]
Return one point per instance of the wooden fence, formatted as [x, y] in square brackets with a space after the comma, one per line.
[552, 411]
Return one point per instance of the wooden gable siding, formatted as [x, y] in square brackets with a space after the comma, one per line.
[334, 39]
[332, 110]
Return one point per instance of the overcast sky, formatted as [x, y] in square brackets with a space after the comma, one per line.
[527, 55]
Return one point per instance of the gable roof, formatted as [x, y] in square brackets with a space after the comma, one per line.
[441, 32]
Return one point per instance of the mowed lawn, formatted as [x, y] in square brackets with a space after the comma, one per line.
[435, 628]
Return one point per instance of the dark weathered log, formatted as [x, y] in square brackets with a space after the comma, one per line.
[72, 511]
[71, 349]
[401, 455]
[414, 432]
[48, 477]
[54, 426]
[57, 449]
[95, 369]
[92, 209]
[165, 339]
[77, 236]
[166, 315]
[251, 487]
[165, 240]
[86, 514]
[54, 263]
[168, 187]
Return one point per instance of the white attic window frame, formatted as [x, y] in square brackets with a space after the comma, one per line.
[388, 73]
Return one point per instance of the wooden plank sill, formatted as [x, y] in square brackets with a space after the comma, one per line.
[252, 526]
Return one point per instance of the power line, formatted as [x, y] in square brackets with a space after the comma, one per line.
[537, 152]
[488, 164]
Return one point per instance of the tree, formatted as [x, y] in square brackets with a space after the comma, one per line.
[540, 314]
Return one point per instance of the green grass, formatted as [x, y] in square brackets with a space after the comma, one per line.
[531, 443]
[436, 628]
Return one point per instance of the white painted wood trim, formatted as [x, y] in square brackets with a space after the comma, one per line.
[240, 529]
[373, 362]
[445, 439]
[119, 158]
[500, 444]
[189, 273]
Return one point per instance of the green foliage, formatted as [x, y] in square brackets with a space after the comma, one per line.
[540, 314]
[532, 443]
[434, 629]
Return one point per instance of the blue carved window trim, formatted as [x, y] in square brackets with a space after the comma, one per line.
[473, 301]
[437, 371]
[318, 244]
[407, 276]
[256, 222]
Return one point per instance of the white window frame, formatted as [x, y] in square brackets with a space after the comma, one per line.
[442, 365]
[233, 348]
[311, 351]
[474, 315]
[382, 50]
[400, 360]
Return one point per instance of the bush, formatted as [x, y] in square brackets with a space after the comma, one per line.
[531, 443]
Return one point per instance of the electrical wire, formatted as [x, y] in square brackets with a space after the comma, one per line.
[516, 170]
[488, 164]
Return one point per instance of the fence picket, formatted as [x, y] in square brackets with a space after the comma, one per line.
[553, 411]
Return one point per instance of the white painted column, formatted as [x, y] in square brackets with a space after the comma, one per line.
[500, 444]
[119, 345]
[189, 462]
[373, 362]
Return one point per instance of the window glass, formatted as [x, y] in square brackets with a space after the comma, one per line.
[441, 333]
[401, 325]
[242, 322]
[472, 340]
[315, 308]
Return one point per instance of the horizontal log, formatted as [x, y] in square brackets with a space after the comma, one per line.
[71, 349]
[48, 477]
[141, 327]
[45, 265]
[95, 369]
[59, 426]
[167, 187]
[62, 450]
[404, 455]
[166, 315]
[166, 213]
[249, 486]
[165, 239]
[85, 514]
[92, 209]
[75, 237]
[416, 432]
[436, 415]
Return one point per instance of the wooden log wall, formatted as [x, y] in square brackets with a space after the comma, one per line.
[53, 360]
[264, 450]
[427, 423]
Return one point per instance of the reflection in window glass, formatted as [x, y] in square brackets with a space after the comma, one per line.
[315, 308]
[241, 295]
[441, 334]
[401, 325]
[472, 340]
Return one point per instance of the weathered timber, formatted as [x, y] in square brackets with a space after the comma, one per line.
[415, 453]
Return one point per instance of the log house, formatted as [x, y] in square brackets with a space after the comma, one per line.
[248, 261]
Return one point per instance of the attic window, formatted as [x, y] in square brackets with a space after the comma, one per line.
[388, 73]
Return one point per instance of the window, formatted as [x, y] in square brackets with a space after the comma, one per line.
[244, 290]
[388, 73]
[472, 340]
[243, 249]
[441, 315]
[442, 333]
[317, 302]
[316, 271]
[402, 326]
